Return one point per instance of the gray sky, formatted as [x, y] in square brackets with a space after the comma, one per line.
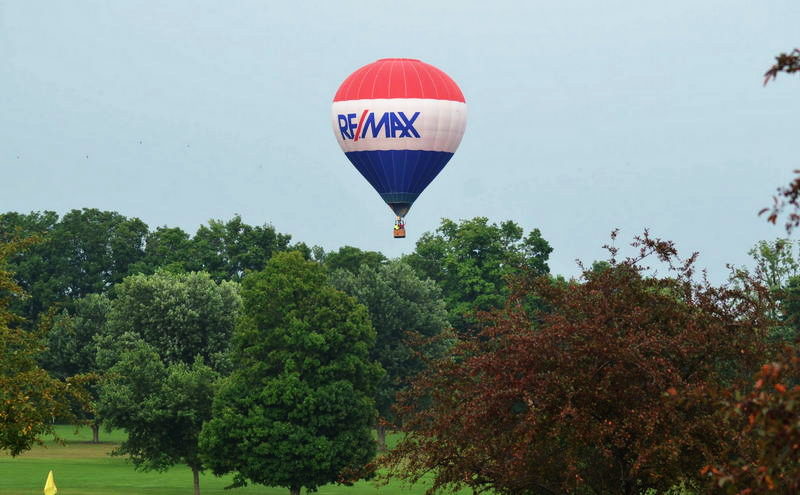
[584, 116]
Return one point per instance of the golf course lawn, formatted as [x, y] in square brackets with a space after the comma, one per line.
[83, 468]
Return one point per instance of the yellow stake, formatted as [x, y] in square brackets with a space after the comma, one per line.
[50, 485]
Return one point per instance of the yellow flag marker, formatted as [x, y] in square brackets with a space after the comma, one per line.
[50, 485]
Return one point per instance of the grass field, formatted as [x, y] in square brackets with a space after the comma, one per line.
[83, 468]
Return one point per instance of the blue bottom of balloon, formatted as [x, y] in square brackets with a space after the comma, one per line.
[399, 176]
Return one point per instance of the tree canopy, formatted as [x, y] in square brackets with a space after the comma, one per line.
[472, 260]
[227, 250]
[182, 315]
[88, 251]
[84, 252]
[401, 306]
[352, 259]
[29, 397]
[765, 421]
[161, 406]
[167, 339]
[298, 408]
[608, 387]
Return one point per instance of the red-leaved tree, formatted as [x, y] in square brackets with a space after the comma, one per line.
[766, 457]
[610, 386]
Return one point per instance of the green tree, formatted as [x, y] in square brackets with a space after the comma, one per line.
[775, 262]
[472, 260]
[227, 249]
[297, 410]
[70, 340]
[167, 248]
[183, 315]
[34, 268]
[401, 305]
[96, 249]
[352, 259]
[161, 406]
[71, 348]
[777, 266]
[85, 252]
[29, 397]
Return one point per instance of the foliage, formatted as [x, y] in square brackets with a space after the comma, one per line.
[778, 268]
[88, 251]
[790, 308]
[766, 419]
[29, 397]
[227, 250]
[785, 62]
[767, 458]
[775, 262]
[401, 307]
[162, 407]
[297, 409]
[352, 259]
[472, 260]
[608, 388]
[166, 248]
[788, 196]
[71, 346]
[182, 315]
[85, 252]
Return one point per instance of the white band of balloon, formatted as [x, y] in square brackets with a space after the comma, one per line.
[440, 124]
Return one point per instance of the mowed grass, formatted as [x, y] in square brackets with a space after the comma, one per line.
[83, 468]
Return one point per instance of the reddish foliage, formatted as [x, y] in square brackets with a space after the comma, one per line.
[609, 387]
[787, 196]
[785, 62]
[766, 459]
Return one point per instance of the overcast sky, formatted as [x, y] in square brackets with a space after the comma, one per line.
[584, 116]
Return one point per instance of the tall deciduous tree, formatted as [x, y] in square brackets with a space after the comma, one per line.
[401, 305]
[162, 330]
[227, 249]
[71, 348]
[182, 315]
[298, 409]
[471, 261]
[85, 252]
[608, 388]
[352, 259]
[168, 248]
[29, 397]
[161, 406]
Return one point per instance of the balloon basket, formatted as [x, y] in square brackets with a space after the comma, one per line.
[399, 230]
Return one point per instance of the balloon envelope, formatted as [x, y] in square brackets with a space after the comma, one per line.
[399, 121]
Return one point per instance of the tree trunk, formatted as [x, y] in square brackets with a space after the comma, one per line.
[196, 480]
[95, 432]
[295, 490]
[381, 433]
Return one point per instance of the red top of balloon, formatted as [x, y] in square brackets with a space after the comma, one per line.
[398, 78]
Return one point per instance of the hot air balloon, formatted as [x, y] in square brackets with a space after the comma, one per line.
[399, 121]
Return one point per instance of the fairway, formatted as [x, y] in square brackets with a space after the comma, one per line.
[83, 468]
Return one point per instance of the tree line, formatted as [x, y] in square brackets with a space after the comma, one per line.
[155, 323]
[236, 351]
